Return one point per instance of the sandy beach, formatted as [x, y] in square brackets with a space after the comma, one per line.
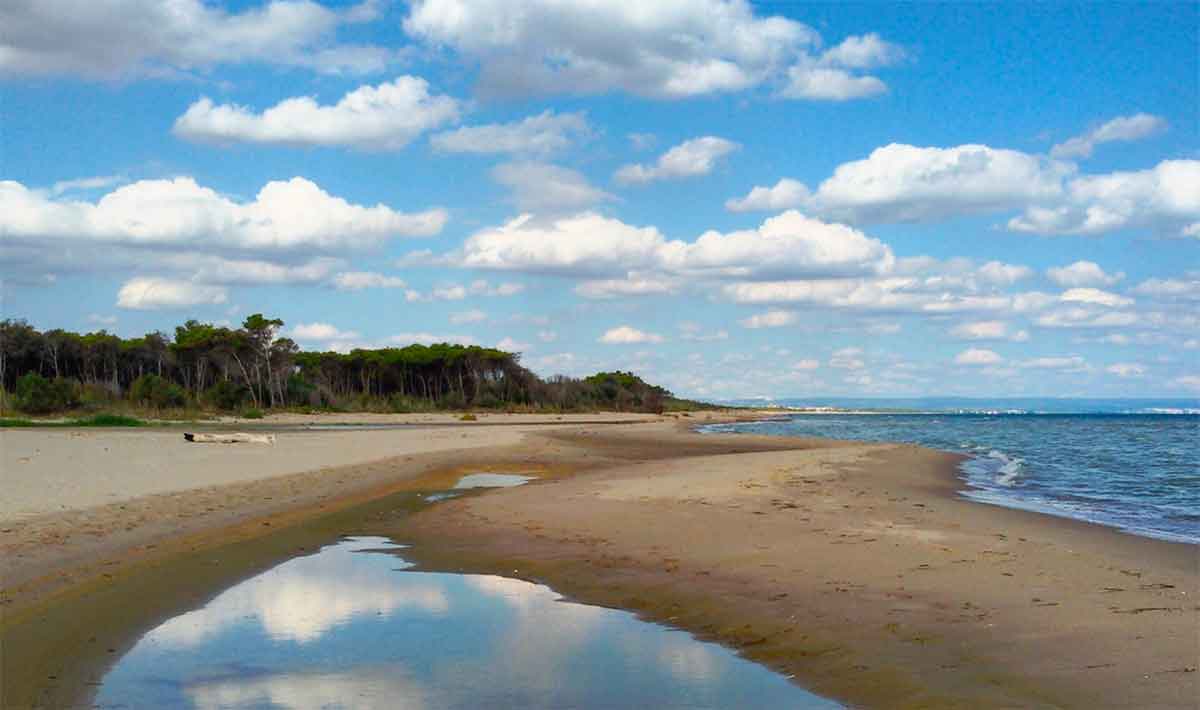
[853, 568]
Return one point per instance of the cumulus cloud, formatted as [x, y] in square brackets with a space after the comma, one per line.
[769, 319]
[691, 158]
[542, 134]
[1084, 317]
[1121, 128]
[150, 293]
[1170, 288]
[626, 335]
[361, 280]
[978, 356]
[633, 285]
[322, 331]
[820, 83]
[661, 50]
[905, 183]
[148, 37]
[1082, 273]
[999, 273]
[785, 194]
[291, 214]
[545, 188]
[384, 117]
[594, 246]
[1096, 296]
[988, 330]
[1165, 198]
[863, 52]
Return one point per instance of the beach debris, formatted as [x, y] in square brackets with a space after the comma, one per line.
[230, 438]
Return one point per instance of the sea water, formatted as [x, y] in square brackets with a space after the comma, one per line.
[349, 627]
[1138, 471]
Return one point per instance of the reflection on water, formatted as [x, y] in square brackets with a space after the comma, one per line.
[346, 628]
[491, 480]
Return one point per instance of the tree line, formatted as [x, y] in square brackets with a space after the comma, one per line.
[220, 367]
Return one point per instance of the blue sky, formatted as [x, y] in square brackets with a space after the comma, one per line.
[733, 199]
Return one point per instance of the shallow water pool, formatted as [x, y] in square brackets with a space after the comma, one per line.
[348, 627]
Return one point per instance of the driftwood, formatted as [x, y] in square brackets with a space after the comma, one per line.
[231, 438]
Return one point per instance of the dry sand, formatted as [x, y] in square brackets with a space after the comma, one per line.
[853, 567]
[54, 470]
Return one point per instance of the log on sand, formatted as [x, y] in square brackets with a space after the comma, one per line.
[231, 438]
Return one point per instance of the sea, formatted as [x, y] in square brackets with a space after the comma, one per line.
[1129, 464]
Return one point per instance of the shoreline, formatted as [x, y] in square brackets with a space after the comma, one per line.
[582, 461]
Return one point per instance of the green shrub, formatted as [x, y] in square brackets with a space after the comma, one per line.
[37, 395]
[157, 392]
[468, 417]
[226, 395]
[252, 413]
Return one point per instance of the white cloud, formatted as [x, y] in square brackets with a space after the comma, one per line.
[168, 39]
[988, 330]
[88, 183]
[512, 346]
[372, 118]
[1072, 363]
[863, 52]
[1165, 198]
[322, 331]
[905, 183]
[807, 80]
[360, 280]
[472, 316]
[999, 273]
[806, 365]
[662, 50]
[625, 335]
[583, 244]
[632, 286]
[1126, 369]
[1180, 289]
[1082, 273]
[769, 319]
[847, 359]
[543, 188]
[1121, 128]
[1096, 297]
[284, 215]
[978, 356]
[1079, 317]
[788, 244]
[691, 158]
[547, 336]
[785, 194]
[542, 134]
[150, 293]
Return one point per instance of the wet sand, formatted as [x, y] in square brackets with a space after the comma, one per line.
[852, 567]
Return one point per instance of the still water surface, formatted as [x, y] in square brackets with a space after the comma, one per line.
[347, 627]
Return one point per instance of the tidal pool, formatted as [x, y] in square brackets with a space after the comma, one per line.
[348, 627]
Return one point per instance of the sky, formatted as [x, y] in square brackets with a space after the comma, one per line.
[732, 199]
